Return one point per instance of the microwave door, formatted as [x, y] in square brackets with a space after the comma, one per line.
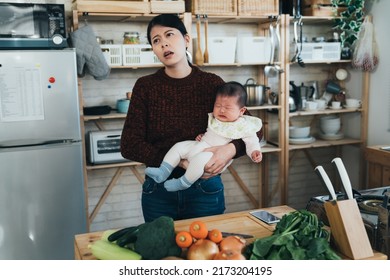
[17, 21]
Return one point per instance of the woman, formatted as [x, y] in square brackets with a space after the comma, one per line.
[170, 106]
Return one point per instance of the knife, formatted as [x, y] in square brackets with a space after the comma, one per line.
[225, 234]
[325, 181]
[344, 176]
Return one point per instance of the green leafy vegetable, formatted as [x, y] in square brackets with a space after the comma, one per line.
[298, 236]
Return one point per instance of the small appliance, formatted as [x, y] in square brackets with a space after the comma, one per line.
[104, 147]
[32, 26]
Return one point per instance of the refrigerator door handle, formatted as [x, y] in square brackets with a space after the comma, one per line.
[20, 144]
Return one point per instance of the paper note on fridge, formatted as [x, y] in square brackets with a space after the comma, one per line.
[21, 97]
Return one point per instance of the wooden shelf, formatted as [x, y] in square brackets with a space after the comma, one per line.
[104, 117]
[113, 165]
[322, 62]
[324, 112]
[318, 143]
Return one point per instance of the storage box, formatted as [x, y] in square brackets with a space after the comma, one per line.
[113, 54]
[212, 8]
[139, 54]
[320, 51]
[222, 50]
[131, 7]
[258, 7]
[253, 49]
[167, 7]
[316, 2]
[323, 11]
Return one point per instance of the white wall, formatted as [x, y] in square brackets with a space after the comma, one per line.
[379, 107]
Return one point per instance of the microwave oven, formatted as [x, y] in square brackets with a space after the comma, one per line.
[32, 26]
[104, 147]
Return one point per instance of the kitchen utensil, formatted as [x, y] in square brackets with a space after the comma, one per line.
[255, 93]
[225, 234]
[295, 94]
[344, 176]
[313, 85]
[269, 70]
[277, 45]
[206, 49]
[272, 70]
[198, 55]
[298, 41]
[346, 223]
[325, 181]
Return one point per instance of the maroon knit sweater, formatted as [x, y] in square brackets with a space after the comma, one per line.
[164, 111]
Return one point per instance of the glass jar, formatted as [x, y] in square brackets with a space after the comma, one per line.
[131, 38]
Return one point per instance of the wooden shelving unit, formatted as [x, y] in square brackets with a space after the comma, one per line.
[279, 146]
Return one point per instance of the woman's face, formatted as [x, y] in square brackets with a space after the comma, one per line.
[169, 44]
[226, 109]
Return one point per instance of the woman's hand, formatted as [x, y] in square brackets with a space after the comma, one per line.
[222, 155]
[199, 137]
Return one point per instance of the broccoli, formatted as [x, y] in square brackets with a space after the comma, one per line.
[156, 239]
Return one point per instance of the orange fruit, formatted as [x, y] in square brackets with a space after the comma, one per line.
[198, 230]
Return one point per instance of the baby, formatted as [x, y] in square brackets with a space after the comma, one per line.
[226, 123]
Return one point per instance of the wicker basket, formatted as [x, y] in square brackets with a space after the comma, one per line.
[212, 8]
[258, 7]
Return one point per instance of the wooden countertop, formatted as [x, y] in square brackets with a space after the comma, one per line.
[237, 222]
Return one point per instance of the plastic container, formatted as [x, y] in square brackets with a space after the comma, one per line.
[131, 38]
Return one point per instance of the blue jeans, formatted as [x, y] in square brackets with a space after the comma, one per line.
[203, 198]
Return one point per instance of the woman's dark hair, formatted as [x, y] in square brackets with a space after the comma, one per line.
[231, 89]
[167, 20]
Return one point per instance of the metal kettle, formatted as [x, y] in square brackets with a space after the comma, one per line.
[294, 100]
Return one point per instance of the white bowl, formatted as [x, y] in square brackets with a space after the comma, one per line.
[330, 119]
[330, 129]
[330, 124]
[299, 132]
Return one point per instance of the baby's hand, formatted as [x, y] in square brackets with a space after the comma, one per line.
[199, 137]
[257, 156]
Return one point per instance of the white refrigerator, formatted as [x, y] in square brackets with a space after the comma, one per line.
[42, 201]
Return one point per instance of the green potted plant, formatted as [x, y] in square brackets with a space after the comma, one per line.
[349, 21]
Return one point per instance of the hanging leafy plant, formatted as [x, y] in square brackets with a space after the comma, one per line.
[350, 20]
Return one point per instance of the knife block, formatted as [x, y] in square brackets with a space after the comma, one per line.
[347, 228]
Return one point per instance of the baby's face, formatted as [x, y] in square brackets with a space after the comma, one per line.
[226, 109]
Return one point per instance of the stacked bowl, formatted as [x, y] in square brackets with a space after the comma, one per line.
[299, 132]
[330, 125]
[300, 135]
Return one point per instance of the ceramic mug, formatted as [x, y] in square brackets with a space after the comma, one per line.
[336, 104]
[122, 105]
[333, 87]
[353, 103]
[321, 103]
[311, 105]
